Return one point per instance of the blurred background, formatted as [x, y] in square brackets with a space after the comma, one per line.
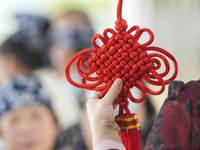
[175, 24]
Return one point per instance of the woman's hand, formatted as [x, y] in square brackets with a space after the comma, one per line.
[101, 114]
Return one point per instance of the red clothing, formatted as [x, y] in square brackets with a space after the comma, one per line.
[177, 125]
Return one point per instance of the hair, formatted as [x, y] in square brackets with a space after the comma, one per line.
[24, 90]
[30, 43]
[28, 59]
[77, 37]
[81, 14]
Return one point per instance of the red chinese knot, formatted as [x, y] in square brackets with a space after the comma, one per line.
[122, 56]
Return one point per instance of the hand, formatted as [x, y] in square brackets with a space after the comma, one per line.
[101, 114]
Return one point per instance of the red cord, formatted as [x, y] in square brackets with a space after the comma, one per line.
[119, 10]
[121, 56]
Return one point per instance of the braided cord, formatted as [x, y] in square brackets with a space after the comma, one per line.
[122, 56]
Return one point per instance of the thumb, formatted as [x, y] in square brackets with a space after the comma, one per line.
[113, 92]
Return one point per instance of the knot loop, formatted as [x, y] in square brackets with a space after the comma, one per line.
[121, 25]
[122, 56]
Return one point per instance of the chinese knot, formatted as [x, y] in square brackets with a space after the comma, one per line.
[122, 56]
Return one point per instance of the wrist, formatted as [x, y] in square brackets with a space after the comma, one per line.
[107, 133]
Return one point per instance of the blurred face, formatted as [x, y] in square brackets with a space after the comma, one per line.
[5, 65]
[29, 128]
[59, 58]
[9, 66]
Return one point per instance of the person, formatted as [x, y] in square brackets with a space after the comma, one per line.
[176, 126]
[27, 118]
[70, 32]
[78, 136]
[24, 51]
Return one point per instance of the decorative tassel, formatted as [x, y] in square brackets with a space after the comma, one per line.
[130, 131]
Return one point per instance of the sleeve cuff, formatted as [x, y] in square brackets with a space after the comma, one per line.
[109, 144]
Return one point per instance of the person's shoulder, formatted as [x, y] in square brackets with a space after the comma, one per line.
[178, 87]
[179, 114]
[177, 83]
[194, 84]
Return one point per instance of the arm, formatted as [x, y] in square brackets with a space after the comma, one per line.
[104, 128]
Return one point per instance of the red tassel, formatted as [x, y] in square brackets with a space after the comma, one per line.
[130, 131]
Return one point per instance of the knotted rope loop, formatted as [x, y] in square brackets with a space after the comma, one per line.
[121, 25]
[122, 56]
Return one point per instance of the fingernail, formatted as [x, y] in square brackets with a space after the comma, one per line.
[118, 82]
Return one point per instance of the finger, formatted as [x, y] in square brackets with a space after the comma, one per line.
[96, 95]
[94, 99]
[117, 128]
[115, 104]
[113, 92]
